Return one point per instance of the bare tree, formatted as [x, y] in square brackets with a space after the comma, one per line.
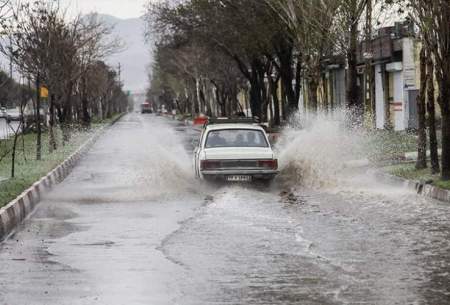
[21, 28]
[435, 167]
[432, 17]
[421, 111]
[310, 23]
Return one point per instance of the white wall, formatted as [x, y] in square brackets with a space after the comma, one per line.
[339, 87]
[409, 64]
[399, 111]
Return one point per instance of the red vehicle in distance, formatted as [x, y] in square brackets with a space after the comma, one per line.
[146, 107]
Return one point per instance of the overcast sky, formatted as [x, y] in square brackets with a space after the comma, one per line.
[118, 8]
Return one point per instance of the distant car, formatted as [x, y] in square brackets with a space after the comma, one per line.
[146, 108]
[3, 112]
[14, 116]
[234, 151]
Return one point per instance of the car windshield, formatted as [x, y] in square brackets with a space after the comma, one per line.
[236, 138]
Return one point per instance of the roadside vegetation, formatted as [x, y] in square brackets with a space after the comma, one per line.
[27, 169]
[410, 172]
[61, 87]
[386, 146]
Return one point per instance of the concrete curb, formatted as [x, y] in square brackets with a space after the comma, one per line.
[426, 190]
[20, 208]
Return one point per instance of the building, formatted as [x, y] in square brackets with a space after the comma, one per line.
[396, 65]
[394, 55]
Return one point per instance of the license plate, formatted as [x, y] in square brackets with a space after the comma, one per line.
[239, 178]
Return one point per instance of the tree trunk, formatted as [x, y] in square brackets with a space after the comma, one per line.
[51, 131]
[85, 105]
[222, 105]
[205, 99]
[283, 102]
[199, 106]
[331, 90]
[85, 111]
[369, 95]
[14, 149]
[195, 100]
[257, 87]
[421, 115]
[228, 102]
[255, 98]
[313, 85]
[387, 101]
[444, 96]
[287, 77]
[38, 119]
[353, 102]
[276, 101]
[67, 116]
[298, 79]
[325, 93]
[236, 106]
[435, 167]
[369, 98]
[264, 94]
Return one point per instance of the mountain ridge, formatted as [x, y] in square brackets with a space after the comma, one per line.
[136, 57]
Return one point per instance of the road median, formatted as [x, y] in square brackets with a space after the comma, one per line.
[17, 210]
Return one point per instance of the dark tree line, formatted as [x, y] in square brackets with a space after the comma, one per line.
[271, 51]
[64, 56]
[272, 47]
[209, 51]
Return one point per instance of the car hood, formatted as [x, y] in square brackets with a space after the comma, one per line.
[233, 153]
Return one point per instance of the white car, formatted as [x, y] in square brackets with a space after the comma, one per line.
[234, 151]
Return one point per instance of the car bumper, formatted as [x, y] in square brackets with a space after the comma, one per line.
[254, 173]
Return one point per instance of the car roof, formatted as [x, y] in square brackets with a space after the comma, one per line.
[233, 126]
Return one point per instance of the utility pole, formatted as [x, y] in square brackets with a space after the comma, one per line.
[38, 117]
[10, 59]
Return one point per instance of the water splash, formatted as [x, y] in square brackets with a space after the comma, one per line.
[170, 166]
[143, 159]
[313, 151]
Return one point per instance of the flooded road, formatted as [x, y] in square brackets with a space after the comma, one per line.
[131, 226]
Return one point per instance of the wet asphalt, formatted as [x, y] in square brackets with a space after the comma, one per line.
[131, 225]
